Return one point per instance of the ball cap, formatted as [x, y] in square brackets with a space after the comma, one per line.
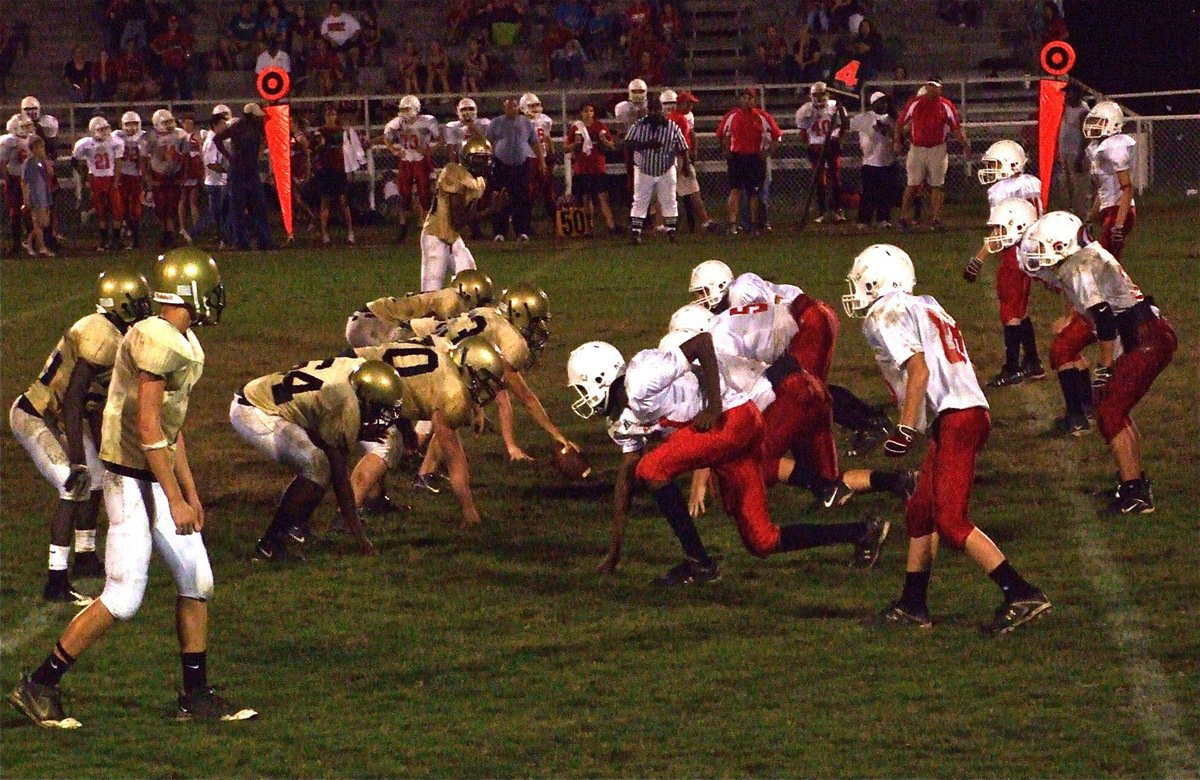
[253, 109]
[933, 80]
[686, 95]
[875, 96]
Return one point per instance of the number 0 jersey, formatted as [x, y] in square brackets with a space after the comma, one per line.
[316, 395]
[900, 325]
[156, 347]
[429, 379]
[93, 338]
[441, 304]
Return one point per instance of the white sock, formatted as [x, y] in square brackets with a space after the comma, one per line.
[423, 427]
[85, 541]
[59, 557]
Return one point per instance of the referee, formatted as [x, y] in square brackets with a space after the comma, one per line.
[655, 143]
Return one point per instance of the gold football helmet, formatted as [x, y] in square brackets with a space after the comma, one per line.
[123, 293]
[476, 154]
[528, 308]
[482, 367]
[189, 276]
[377, 386]
[474, 286]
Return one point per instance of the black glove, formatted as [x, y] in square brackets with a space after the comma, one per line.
[78, 482]
[972, 269]
[898, 443]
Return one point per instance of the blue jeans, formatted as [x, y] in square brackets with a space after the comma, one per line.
[217, 213]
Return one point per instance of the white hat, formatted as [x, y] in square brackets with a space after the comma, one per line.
[252, 108]
[875, 96]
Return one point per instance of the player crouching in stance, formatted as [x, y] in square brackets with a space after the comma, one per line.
[1099, 289]
[310, 418]
[57, 420]
[379, 320]
[924, 360]
[708, 424]
[150, 494]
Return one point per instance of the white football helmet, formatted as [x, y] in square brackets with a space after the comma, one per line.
[1002, 160]
[878, 270]
[530, 105]
[1102, 121]
[691, 318]
[222, 111]
[591, 370]
[1050, 240]
[163, 121]
[13, 126]
[30, 107]
[668, 100]
[99, 128]
[709, 282]
[818, 93]
[467, 110]
[131, 122]
[1009, 220]
[410, 106]
[637, 92]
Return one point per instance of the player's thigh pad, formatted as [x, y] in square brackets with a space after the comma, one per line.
[185, 556]
[45, 447]
[127, 502]
[435, 262]
[461, 257]
[281, 441]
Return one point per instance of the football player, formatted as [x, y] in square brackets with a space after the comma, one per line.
[99, 151]
[14, 151]
[468, 124]
[412, 137]
[310, 418]
[713, 286]
[711, 424]
[822, 121]
[1002, 171]
[57, 421]
[541, 179]
[688, 184]
[167, 150]
[150, 494]
[443, 384]
[131, 169]
[1111, 153]
[924, 360]
[376, 322]
[1098, 288]
[632, 109]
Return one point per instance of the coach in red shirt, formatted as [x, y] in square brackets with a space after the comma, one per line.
[742, 133]
[926, 119]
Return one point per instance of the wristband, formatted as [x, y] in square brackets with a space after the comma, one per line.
[161, 444]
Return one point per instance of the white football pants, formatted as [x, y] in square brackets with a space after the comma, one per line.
[439, 259]
[47, 448]
[662, 187]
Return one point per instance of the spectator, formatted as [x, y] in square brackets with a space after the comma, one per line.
[638, 16]
[840, 16]
[604, 28]
[35, 185]
[275, 23]
[772, 52]
[874, 128]
[515, 147]
[573, 15]
[556, 38]
[409, 62]
[817, 19]
[216, 179]
[131, 17]
[649, 68]
[742, 133]
[224, 57]
[927, 120]
[174, 50]
[867, 47]
[687, 187]
[134, 81]
[330, 166]
[273, 57]
[568, 62]
[79, 73]
[458, 14]
[1072, 155]
[341, 29]
[437, 69]
[1054, 27]
[306, 31]
[806, 57]
[243, 33]
[964, 13]
[372, 41]
[247, 203]
[327, 68]
[587, 139]
[475, 67]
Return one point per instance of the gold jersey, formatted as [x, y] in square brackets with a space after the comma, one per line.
[316, 395]
[486, 321]
[442, 304]
[156, 347]
[429, 379]
[454, 179]
[93, 338]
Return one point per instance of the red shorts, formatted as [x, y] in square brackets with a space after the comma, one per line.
[733, 450]
[1012, 288]
[813, 346]
[1108, 218]
[13, 197]
[800, 420]
[106, 197]
[166, 200]
[1133, 373]
[947, 474]
[1069, 343]
[130, 188]
[415, 172]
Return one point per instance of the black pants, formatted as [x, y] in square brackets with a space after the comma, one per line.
[514, 179]
[248, 211]
[878, 193]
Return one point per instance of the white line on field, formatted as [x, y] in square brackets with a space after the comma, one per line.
[42, 311]
[33, 624]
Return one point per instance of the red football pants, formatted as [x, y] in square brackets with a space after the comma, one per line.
[130, 188]
[106, 197]
[1069, 343]
[1108, 218]
[542, 185]
[166, 201]
[813, 346]
[800, 420]
[733, 450]
[13, 197]
[1012, 287]
[947, 474]
[414, 174]
[1133, 373]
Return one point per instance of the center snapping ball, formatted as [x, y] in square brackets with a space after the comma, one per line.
[570, 463]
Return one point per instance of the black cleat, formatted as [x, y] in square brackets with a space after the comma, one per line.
[1133, 497]
[1011, 615]
[866, 552]
[87, 564]
[1033, 370]
[636, 238]
[382, 505]
[898, 615]
[299, 533]
[63, 592]
[426, 482]
[834, 496]
[1007, 378]
[691, 572]
[275, 551]
[1072, 425]
[205, 704]
[42, 704]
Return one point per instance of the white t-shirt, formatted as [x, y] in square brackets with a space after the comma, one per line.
[339, 29]
[898, 326]
[280, 60]
[1024, 186]
[1109, 156]
[211, 155]
[750, 288]
[413, 138]
[876, 146]
[101, 156]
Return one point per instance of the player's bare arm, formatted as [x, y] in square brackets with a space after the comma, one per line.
[151, 389]
[514, 381]
[699, 349]
[73, 418]
[339, 477]
[622, 498]
[187, 482]
[914, 392]
[455, 458]
[504, 409]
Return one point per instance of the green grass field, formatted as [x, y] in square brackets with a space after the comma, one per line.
[498, 651]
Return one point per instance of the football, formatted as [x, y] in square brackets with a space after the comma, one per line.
[570, 463]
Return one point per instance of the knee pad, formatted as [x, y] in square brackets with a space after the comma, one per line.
[198, 583]
[123, 593]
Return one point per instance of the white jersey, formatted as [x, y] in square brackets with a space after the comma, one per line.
[543, 125]
[168, 152]
[413, 138]
[628, 112]
[757, 331]
[101, 156]
[663, 389]
[898, 326]
[135, 149]
[14, 152]
[211, 155]
[748, 376]
[750, 288]
[821, 123]
[1024, 186]
[1093, 276]
[1109, 156]
[874, 138]
[458, 131]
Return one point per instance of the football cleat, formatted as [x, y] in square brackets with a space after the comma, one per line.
[42, 704]
[87, 564]
[899, 615]
[1076, 425]
[275, 551]
[1007, 378]
[299, 533]
[834, 496]
[866, 552]
[63, 592]
[1033, 370]
[691, 572]
[1133, 497]
[1011, 615]
[205, 704]
[426, 482]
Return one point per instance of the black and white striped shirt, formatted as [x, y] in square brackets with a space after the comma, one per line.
[656, 162]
